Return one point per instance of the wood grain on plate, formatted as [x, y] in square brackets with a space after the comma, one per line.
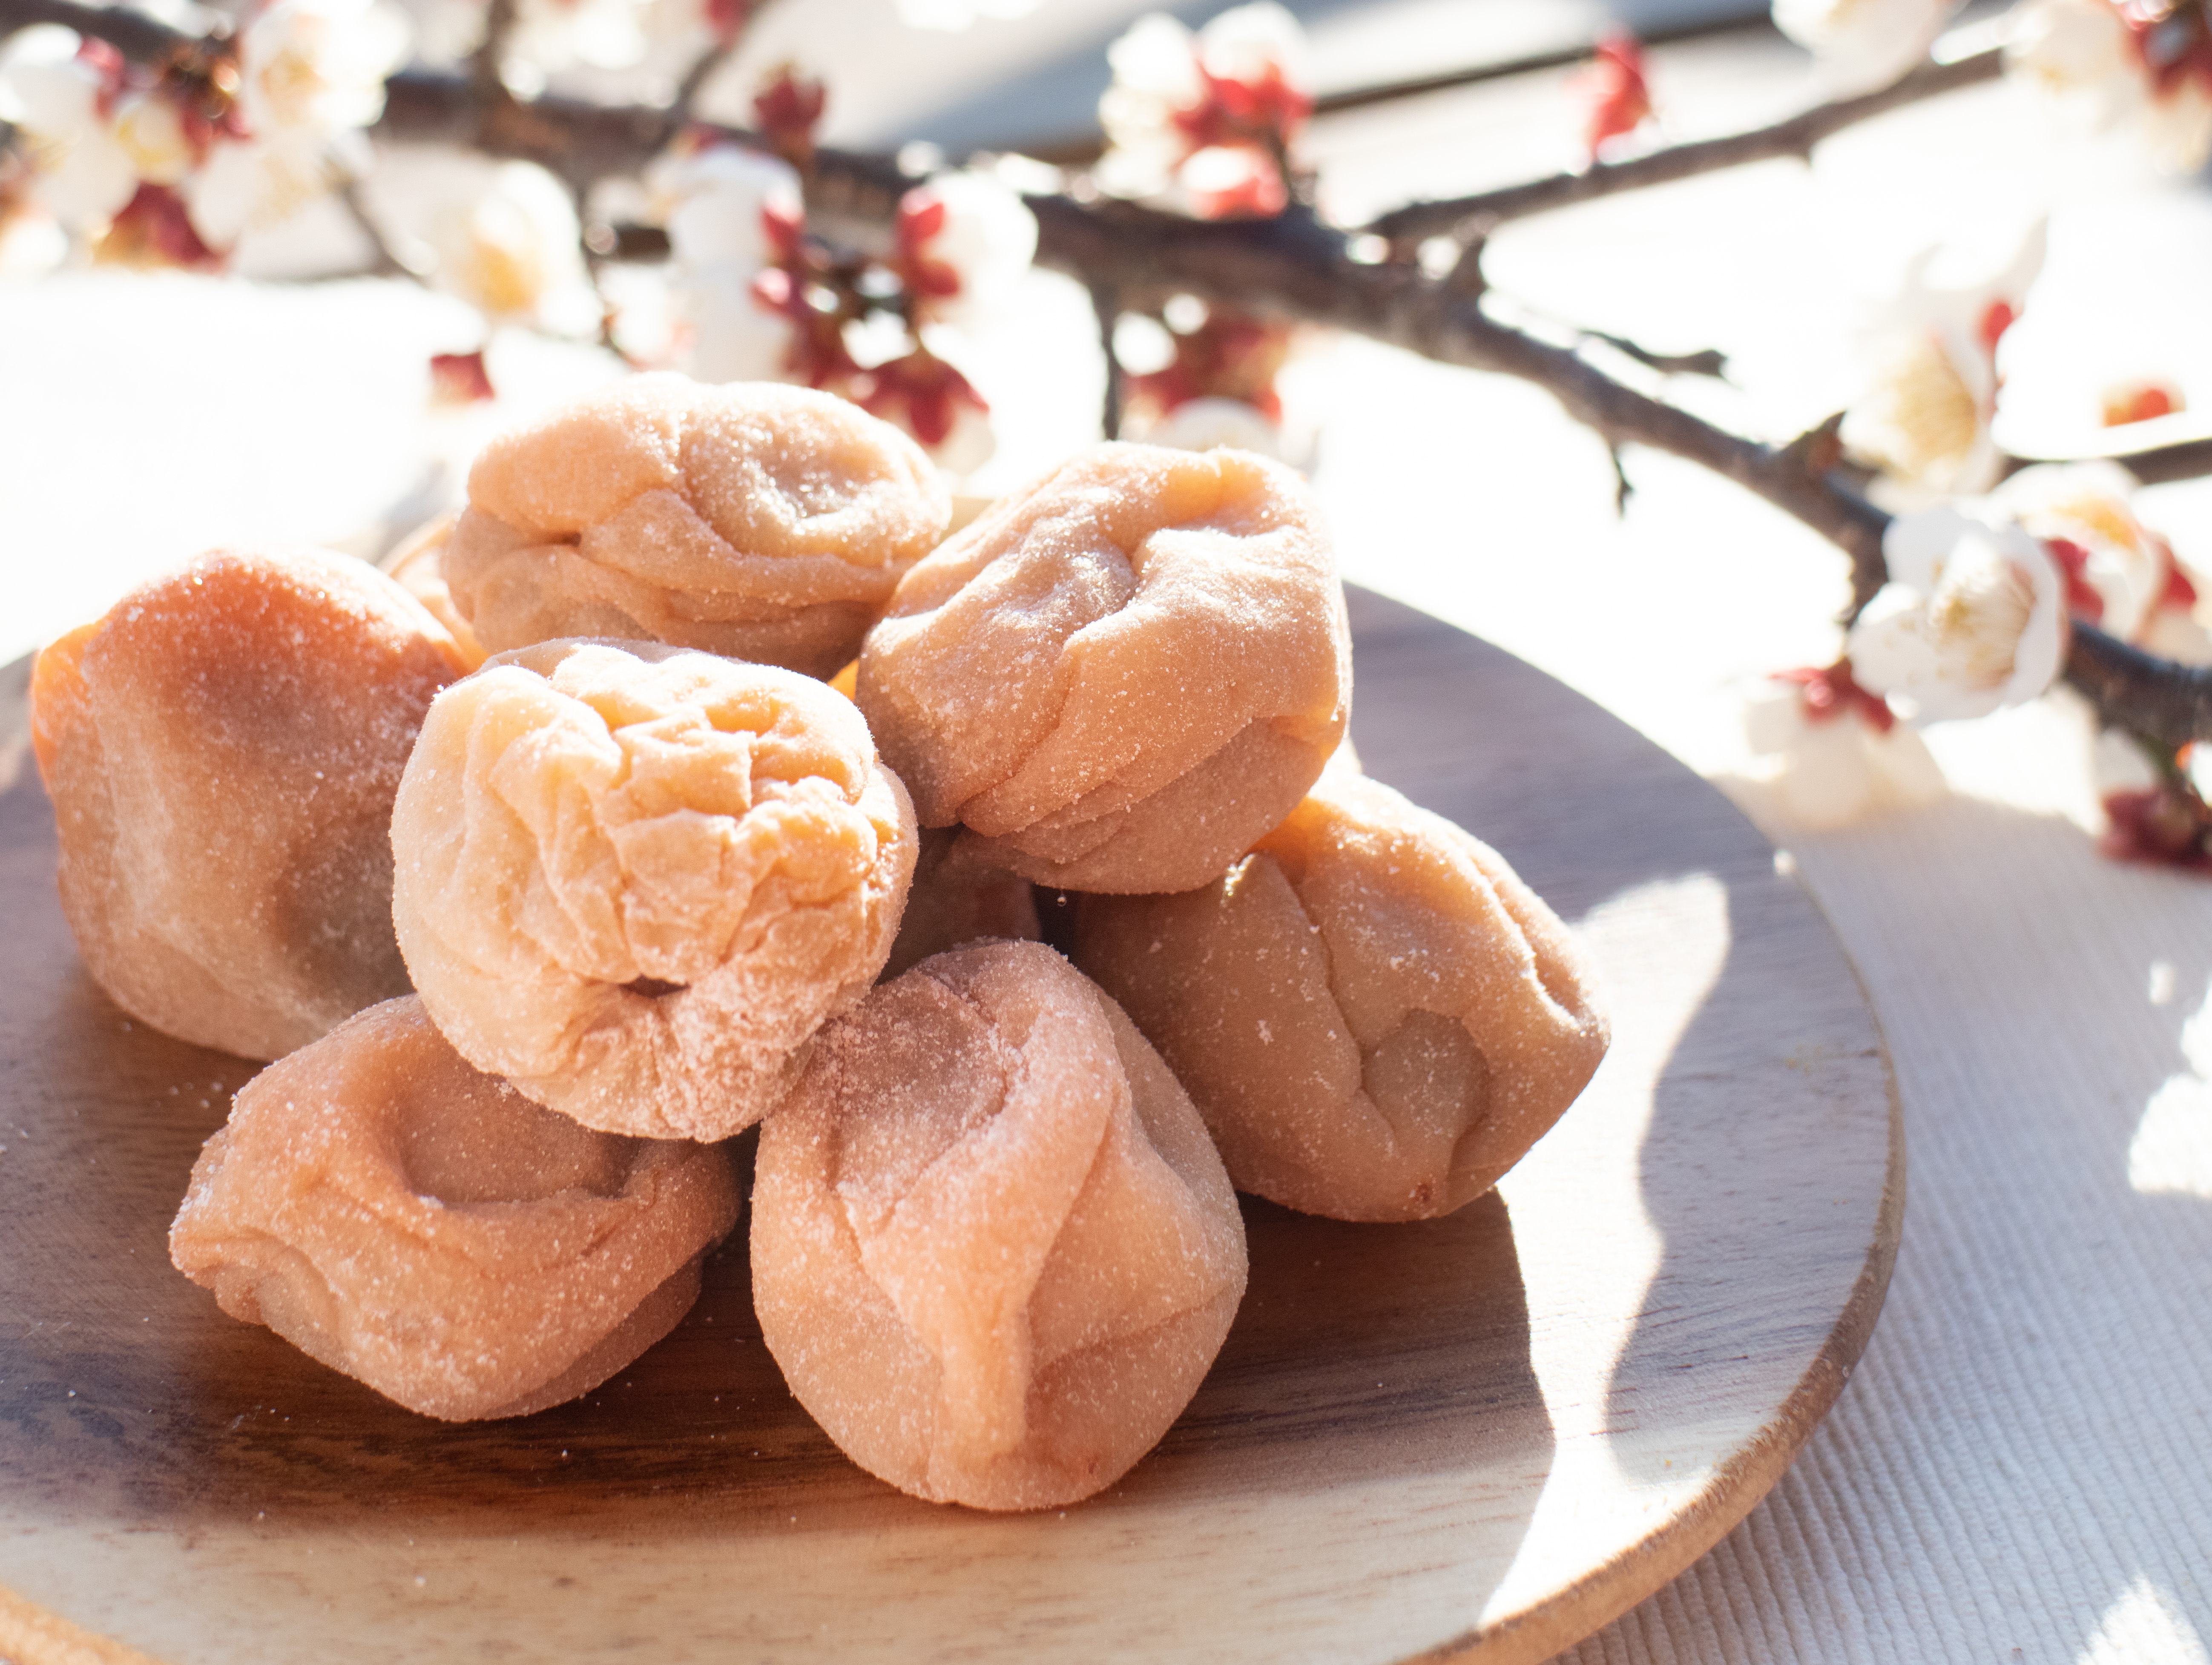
[1483, 1435]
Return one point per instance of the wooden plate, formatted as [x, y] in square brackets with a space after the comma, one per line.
[1482, 1437]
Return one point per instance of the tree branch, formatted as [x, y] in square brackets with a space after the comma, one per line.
[486, 62]
[2168, 702]
[702, 71]
[1107, 304]
[1295, 268]
[2188, 460]
[1794, 137]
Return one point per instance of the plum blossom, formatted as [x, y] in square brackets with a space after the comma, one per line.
[1616, 98]
[151, 129]
[725, 205]
[930, 399]
[786, 110]
[732, 215]
[460, 378]
[109, 146]
[2120, 575]
[1207, 118]
[1973, 618]
[1208, 423]
[2127, 403]
[1863, 44]
[154, 229]
[2142, 67]
[1925, 423]
[964, 242]
[1832, 751]
[2153, 801]
[502, 236]
[60, 92]
[318, 67]
[311, 80]
[1222, 355]
[32, 243]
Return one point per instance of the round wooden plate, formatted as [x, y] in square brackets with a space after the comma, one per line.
[1481, 1436]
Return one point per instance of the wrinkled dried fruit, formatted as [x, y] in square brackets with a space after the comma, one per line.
[1375, 1016]
[636, 880]
[992, 1249]
[422, 1226]
[757, 520]
[1120, 678]
[222, 749]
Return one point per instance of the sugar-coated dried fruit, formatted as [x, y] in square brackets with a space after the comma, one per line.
[1121, 676]
[754, 520]
[424, 1228]
[992, 1249]
[417, 566]
[1373, 1013]
[222, 750]
[954, 901]
[636, 880]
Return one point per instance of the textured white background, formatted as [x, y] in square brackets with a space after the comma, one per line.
[2020, 1469]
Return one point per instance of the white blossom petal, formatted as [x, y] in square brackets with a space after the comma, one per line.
[1256, 43]
[1863, 44]
[989, 238]
[1925, 420]
[733, 337]
[2080, 55]
[1819, 775]
[1971, 619]
[318, 67]
[2087, 505]
[1208, 424]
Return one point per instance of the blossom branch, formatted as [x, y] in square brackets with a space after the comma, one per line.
[2185, 460]
[1361, 98]
[703, 70]
[2153, 697]
[1292, 267]
[487, 61]
[1794, 137]
[709, 63]
[1107, 304]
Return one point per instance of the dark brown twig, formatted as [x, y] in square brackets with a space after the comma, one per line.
[2153, 697]
[1075, 152]
[1293, 267]
[1331, 104]
[703, 70]
[1708, 362]
[708, 63]
[2188, 460]
[1794, 137]
[488, 62]
[1107, 305]
[2184, 459]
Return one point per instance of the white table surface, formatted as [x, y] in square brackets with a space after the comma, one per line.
[2022, 1468]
